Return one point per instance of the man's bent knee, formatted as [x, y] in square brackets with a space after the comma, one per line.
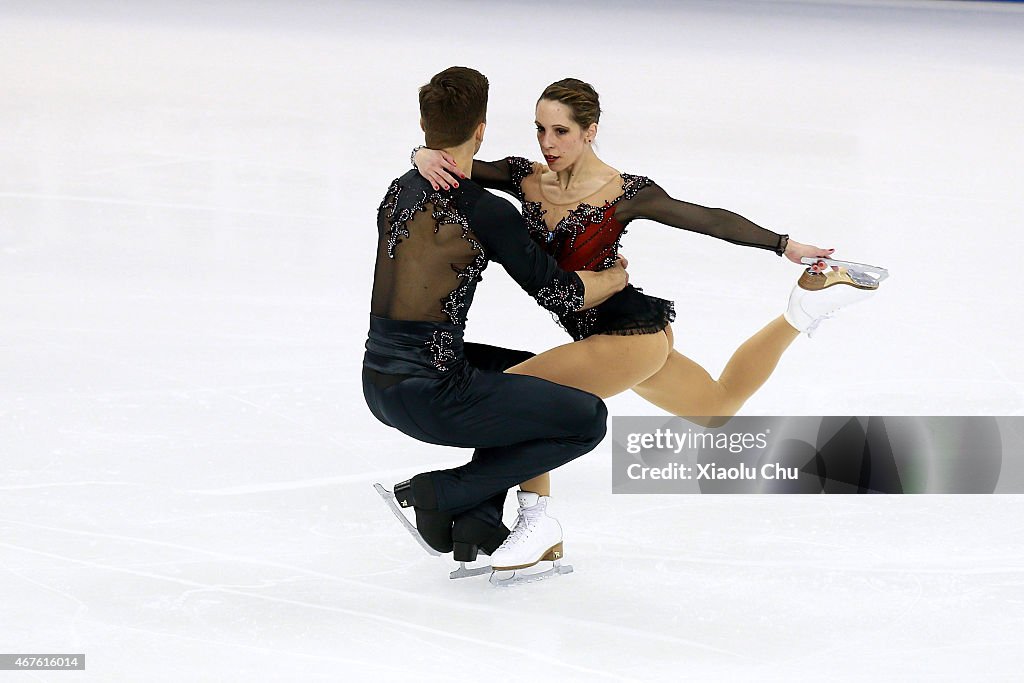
[598, 426]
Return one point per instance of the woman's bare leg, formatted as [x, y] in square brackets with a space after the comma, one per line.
[603, 365]
[684, 388]
[678, 385]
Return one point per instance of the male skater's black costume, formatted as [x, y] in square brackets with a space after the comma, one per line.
[421, 378]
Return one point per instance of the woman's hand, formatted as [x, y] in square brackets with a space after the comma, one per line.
[437, 167]
[796, 251]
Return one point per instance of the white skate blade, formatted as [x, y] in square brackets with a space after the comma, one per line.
[503, 579]
[861, 273]
[463, 571]
[389, 500]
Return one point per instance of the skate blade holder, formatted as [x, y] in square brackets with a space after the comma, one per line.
[512, 577]
[861, 273]
[463, 571]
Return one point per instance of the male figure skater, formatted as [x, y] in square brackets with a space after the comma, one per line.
[420, 377]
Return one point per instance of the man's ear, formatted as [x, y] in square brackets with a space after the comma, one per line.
[479, 134]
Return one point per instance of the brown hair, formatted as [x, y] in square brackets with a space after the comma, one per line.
[580, 97]
[452, 105]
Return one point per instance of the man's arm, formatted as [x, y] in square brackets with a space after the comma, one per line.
[503, 235]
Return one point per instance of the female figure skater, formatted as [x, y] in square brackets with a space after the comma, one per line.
[577, 207]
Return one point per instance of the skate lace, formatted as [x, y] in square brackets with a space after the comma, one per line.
[522, 527]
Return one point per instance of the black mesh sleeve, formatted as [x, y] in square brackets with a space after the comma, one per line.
[503, 235]
[505, 175]
[654, 203]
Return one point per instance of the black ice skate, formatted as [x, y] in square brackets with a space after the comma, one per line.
[470, 537]
[392, 502]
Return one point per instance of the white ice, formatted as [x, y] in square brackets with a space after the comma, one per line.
[187, 201]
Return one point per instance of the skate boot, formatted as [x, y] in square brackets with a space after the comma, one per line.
[819, 295]
[471, 536]
[434, 527]
[534, 538]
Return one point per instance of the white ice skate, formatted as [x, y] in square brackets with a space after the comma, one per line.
[535, 538]
[818, 296]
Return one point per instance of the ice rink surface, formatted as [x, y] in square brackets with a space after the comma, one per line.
[187, 202]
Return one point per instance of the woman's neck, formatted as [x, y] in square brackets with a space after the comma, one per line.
[585, 168]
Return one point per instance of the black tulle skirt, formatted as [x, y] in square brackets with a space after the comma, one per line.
[627, 312]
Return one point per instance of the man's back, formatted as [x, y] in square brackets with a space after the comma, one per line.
[428, 259]
[433, 246]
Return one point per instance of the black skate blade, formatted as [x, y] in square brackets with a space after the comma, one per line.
[389, 500]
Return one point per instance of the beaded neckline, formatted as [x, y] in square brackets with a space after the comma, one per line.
[535, 211]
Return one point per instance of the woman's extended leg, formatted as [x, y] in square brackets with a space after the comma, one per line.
[679, 385]
[603, 365]
[684, 388]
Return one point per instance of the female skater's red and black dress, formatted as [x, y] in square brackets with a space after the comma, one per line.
[588, 238]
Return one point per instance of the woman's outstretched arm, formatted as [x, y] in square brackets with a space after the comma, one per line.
[654, 203]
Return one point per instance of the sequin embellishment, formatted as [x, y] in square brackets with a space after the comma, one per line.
[577, 220]
[562, 298]
[533, 216]
[631, 184]
[446, 213]
[519, 168]
[440, 346]
[398, 219]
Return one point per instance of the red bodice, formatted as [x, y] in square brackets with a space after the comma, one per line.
[586, 239]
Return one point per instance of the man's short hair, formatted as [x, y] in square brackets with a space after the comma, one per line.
[452, 105]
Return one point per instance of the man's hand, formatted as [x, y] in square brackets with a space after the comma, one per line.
[599, 287]
[619, 271]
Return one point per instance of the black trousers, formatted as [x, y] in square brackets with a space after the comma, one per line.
[519, 426]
